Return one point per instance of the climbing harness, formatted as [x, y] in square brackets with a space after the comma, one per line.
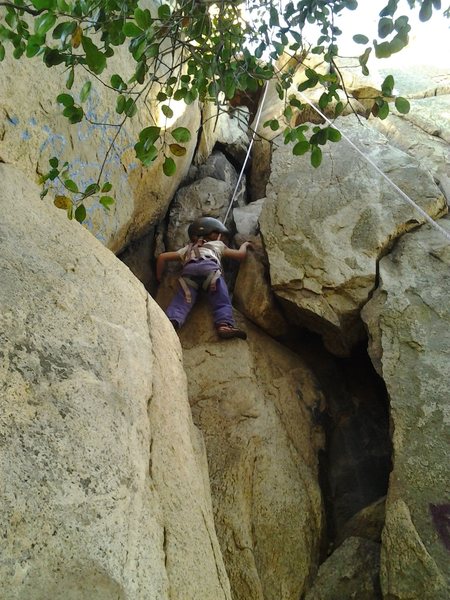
[207, 282]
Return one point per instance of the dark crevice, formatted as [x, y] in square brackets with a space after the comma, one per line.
[354, 467]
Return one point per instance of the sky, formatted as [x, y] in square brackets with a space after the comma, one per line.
[429, 42]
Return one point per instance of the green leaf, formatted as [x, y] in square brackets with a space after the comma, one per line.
[301, 148]
[96, 61]
[91, 189]
[382, 50]
[130, 108]
[150, 134]
[402, 105]
[333, 134]
[274, 125]
[70, 79]
[106, 187]
[106, 201]
[316, 156]
[169, 166]
[80, 213]
[2, 52]
[130, 29]
[118, 83]
[388, 85]
[85, 91]
[143, 18]
[53, 162]
[167, 111]
[385, 27]
[360, 39]
[63, 30]
[383, 111]
[65, 99]
[44, 22]
[71, 186]
[42, 4]
[73, 113]
[120, 104]
[164, 12]
[426, 10]
[181, 134]
[338, 109]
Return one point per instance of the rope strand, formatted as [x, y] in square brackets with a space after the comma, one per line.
[258, 116]
[410, 201]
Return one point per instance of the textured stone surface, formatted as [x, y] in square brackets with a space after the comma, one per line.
[246, 217]
[36, 131]
[367, 523]
[350, 573]
[253, 401]
[253, 296]
[209, 195]
[408, 320]
[424, 134]
[104, 483]
[229, 129]
[324, 233]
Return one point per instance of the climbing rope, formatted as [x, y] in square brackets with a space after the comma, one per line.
[410, 201]
[258, 116]
[402, 194]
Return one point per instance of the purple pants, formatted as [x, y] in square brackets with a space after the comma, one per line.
[219, 299]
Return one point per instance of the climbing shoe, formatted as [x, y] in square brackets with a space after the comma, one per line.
[227, 331]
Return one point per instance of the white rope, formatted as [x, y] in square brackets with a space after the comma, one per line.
[420, 210]
[258, 116]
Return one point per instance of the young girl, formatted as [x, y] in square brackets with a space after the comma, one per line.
[202, 269]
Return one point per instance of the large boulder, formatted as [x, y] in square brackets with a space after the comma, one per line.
[350, 573]
[424, 134]
[255, 402]
[34, 130]
[408, 320]
[209, 195]
[104, 482]
[325, 230]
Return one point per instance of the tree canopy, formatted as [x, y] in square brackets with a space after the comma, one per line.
[186, 50]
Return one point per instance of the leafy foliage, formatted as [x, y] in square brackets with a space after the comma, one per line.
[195, 50]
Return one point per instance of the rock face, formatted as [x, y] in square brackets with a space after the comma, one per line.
[323, 236]
[209, 195]
[104, 483]
[254, 402]
[408, 320]
[350, 573]
[34, 132]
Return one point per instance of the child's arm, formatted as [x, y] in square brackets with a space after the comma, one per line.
[238, 254]
[161, 262]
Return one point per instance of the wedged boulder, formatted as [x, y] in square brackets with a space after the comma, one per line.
[104, 481]
[350, 573]
[34, 131]
[325, 229]
[254, 402]
[253, 296]
[408, 319]
[227, 127]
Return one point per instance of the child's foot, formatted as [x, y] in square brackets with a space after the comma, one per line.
[227, 331]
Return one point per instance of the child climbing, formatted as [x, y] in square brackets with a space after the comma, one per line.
[202, 269]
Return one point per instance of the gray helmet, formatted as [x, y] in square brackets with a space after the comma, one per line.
[204, 226]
